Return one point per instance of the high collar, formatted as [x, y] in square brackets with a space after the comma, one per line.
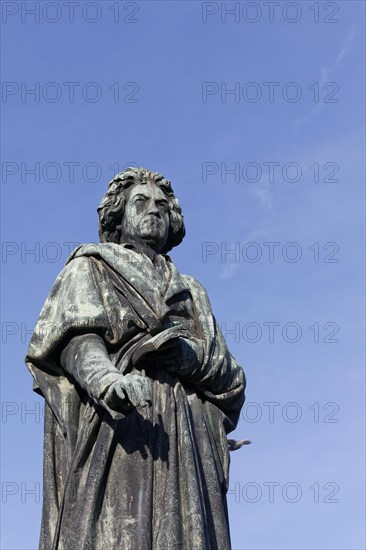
[149, 252]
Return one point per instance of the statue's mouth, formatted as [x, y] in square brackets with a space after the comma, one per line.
[153, 219]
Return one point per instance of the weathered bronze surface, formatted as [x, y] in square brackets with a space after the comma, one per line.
[140, 389]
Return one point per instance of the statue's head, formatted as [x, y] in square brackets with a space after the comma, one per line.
[140, 206]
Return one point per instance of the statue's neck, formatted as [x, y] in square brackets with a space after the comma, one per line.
[141, 246]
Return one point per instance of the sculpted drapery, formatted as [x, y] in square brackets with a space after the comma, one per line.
[140, 391]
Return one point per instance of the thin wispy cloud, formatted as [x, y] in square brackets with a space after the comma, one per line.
[347, 47]
[326, 74]
[262, 192]
[228, 270]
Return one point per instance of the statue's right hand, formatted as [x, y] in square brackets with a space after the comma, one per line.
[129, 390]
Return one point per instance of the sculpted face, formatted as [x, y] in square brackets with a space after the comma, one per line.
[146, 217]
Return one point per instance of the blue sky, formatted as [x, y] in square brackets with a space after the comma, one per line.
[171, 86]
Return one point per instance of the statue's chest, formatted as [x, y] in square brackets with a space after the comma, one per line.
[162, 301]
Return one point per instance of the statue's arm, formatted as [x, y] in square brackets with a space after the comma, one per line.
[206, 362]
[86, 359]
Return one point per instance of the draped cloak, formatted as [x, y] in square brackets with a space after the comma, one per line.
[155, 477]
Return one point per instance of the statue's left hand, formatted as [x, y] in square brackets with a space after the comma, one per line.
[167, 355]
[182, 357]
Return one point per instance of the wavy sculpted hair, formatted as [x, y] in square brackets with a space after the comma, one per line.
[112, 207]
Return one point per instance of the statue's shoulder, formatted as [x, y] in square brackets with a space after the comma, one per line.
[88, 250]
[100, 258]
[77, 261]
[197, 289]
[76, 271]
[111, 253]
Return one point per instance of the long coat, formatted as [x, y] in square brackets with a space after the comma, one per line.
[151, 478]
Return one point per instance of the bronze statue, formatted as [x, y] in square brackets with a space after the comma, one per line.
[140, 389]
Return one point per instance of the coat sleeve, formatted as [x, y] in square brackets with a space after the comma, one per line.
[79, 303]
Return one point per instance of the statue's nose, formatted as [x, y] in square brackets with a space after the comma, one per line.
[153, 209]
